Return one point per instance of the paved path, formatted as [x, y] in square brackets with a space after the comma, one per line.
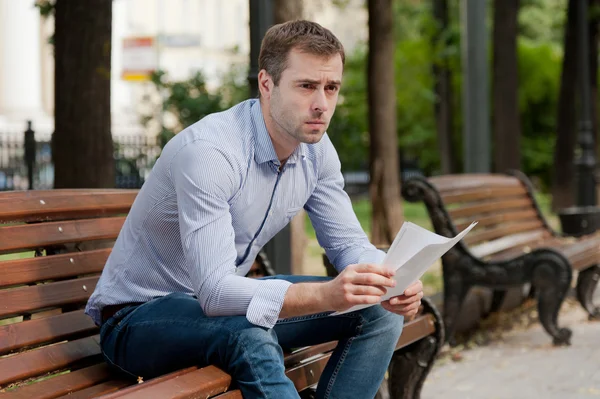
[524, 365]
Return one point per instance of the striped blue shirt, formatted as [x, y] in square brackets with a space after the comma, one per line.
[215, 196]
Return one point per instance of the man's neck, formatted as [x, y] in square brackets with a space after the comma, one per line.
[284, 148]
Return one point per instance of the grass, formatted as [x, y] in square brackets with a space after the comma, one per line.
[20, 255]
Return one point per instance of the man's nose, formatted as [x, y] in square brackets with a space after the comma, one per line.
[320, 101]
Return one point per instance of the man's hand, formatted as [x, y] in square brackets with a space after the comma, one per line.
[408, 303]
[357, 285]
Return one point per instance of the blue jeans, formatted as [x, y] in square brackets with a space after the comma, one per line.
[171, 332]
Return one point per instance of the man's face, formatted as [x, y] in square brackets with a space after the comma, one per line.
[302, 105]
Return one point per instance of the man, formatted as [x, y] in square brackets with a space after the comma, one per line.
[173, 292]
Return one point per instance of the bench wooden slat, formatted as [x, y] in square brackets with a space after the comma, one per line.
[62, 384]
[102, 388]
[305, 353]
[472, 181]
[415, 329]
[62, 192]
[31, 236]
[572, 248]
[152, 382]
[237, 394]
[200, 383]
[471, 211]
[501, 244]
[49, 358]
[484, 235]
[305, 375]
[51, 207]
[525, 247]
[48, 329]
[16, 301]
[467, 195]
[41, 268]
[527, 214]
[586, 260]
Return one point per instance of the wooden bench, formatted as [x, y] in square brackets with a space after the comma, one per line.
[53, 246]
[511, 246]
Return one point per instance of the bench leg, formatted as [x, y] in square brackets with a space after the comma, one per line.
[587, 282]
[551, 278]
[410, 366]
[455, 291]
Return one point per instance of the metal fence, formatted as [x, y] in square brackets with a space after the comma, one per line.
[27, 157]
[134, 157]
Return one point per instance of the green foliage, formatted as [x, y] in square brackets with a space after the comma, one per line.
[417, 50]
[539, 79]
[542, 20]
[419, 45]
[186, 102]
[46, 7]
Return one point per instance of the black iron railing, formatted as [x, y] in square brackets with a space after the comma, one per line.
[26, 160]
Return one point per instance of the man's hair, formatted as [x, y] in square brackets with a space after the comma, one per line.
[305, 36]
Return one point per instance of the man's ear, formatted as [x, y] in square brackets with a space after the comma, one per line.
[265, 84]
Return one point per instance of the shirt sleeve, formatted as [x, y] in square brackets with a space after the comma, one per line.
[205, 179]
[336, 225]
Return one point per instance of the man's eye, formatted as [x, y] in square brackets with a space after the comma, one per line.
[306, 86]
[332, 88]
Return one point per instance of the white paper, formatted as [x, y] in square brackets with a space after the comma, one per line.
[413, 251]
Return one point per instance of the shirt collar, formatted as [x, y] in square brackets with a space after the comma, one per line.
[263, 146]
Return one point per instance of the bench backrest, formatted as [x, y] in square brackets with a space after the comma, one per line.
[53, 246]
[503, 205]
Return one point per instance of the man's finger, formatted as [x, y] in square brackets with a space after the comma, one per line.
[368, 290]
[404, 310]
[373, 279]
[414, 288]
[404, 300]
[373, 268]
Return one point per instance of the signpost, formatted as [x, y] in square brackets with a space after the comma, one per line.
[140, 58]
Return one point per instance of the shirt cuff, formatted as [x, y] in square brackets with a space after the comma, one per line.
[266, 303]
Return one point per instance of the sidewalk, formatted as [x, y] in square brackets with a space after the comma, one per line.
[525, 365]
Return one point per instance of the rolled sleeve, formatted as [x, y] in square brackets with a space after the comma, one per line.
[266, 303]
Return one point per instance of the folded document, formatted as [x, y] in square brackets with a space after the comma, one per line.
[413, 251]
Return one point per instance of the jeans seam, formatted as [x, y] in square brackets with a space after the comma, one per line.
[337, 368]
[244, 353]
[343, 357]
[352, 315]
[304, 318]
[113, 364]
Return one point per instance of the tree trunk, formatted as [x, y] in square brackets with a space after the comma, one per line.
[82, 144]
[443, 92]
[384, 183]
[593, 56]
[287, 10]
[563, 187]
[506, 122]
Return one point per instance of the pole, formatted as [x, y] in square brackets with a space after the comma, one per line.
[278, 250]
[29, 153]
[585, 161]
[476, 94]
[261, 19]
